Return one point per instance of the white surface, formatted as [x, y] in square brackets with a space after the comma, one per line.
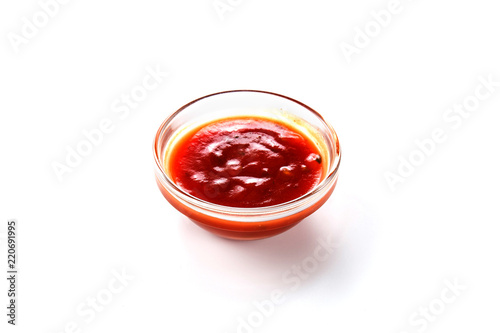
[398, 247]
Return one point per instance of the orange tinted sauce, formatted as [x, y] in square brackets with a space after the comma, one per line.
[245, 162]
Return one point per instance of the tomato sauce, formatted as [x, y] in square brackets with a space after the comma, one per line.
[245, 162]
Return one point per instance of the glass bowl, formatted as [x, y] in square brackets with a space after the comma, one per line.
[256, 222]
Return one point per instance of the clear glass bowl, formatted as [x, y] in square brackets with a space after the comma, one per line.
[247, 223]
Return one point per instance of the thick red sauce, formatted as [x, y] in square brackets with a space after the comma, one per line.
[245, 162]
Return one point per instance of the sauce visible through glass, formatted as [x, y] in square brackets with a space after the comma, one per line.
[245, 162]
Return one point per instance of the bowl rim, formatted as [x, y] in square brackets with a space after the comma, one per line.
[196, 202]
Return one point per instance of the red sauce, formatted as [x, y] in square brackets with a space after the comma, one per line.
[245, 162]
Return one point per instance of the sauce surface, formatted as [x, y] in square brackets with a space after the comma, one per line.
[245, 162]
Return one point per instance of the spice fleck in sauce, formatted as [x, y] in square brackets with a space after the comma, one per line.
[245, 162]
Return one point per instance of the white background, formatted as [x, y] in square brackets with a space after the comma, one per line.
[399, 247]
